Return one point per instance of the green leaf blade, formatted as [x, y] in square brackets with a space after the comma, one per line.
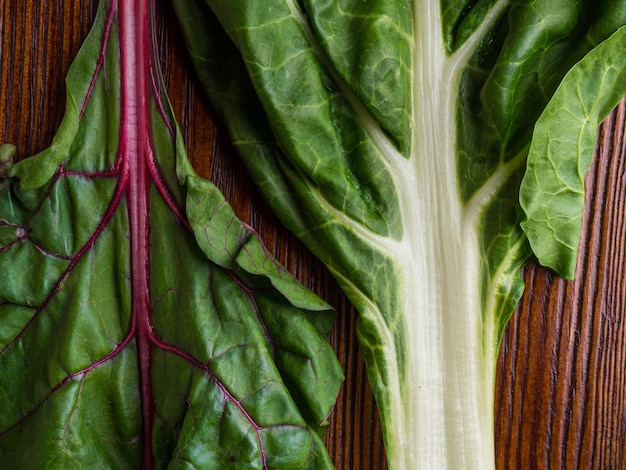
[552, 192]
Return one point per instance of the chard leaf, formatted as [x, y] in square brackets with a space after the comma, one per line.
[391, 138]
[552, 192]
[142, 325]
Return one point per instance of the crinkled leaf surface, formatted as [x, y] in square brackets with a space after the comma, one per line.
[142, 325]
[552, 192]
[392, 136]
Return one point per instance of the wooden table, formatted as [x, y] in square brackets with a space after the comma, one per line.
[561, 386]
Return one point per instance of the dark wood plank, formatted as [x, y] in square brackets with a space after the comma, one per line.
[560, 394]
[561, 400]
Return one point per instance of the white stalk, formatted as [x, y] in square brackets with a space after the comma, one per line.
[441, 416]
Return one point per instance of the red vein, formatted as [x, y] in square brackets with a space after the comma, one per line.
[155, 76]
[91, 174]
[46, 252]
[229, 396]
[102, 55]
[268, 254]
[108, 215]
[21, 233]
[46, 195]
[250, 293]
[76, 407]
[163, 190]
[159, 100]
[70, 377]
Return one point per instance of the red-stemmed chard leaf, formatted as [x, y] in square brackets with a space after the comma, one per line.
[142, 325]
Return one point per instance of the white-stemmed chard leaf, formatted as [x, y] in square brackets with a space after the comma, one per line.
[142, 325]
[392, 137]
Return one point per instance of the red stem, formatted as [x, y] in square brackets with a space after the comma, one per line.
[134, 45]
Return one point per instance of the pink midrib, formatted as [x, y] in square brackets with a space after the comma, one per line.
[134, 44]
[135, 160]
[138, 170]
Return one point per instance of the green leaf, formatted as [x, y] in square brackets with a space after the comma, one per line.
[392, 138]
[552, 192]
[142, 325]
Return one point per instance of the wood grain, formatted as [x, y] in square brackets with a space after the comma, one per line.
[561, 399]
[560, 392]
